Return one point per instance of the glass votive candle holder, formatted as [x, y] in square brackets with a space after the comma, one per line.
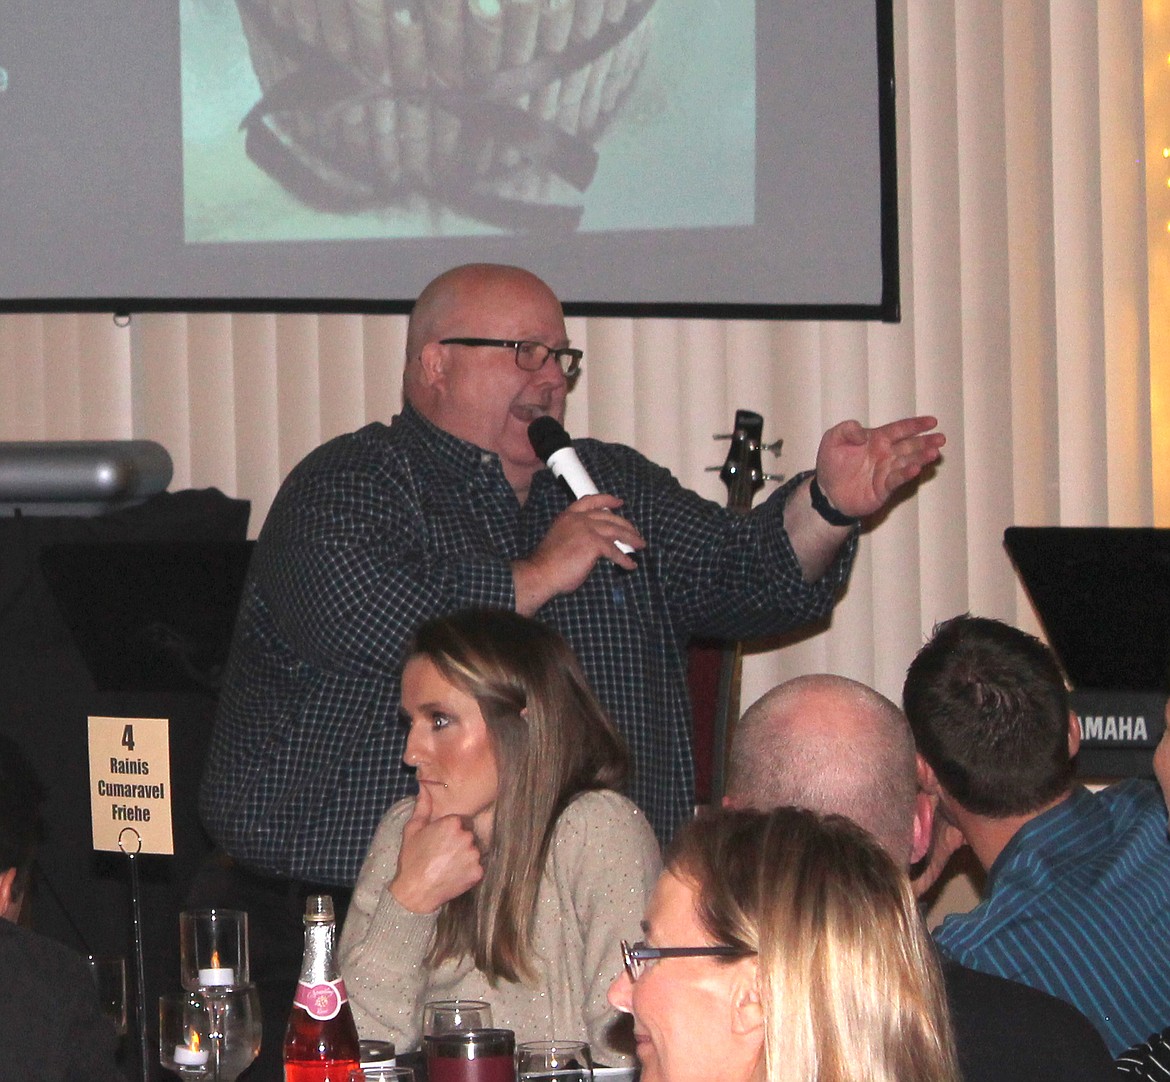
[213, 949]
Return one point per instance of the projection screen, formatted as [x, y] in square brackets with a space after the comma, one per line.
[669, 157]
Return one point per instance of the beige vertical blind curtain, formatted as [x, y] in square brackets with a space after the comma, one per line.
[1025, 329]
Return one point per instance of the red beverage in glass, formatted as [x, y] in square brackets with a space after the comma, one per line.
[473, 1055]
[487, 1069]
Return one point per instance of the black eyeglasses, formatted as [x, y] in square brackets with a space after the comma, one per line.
[636, 955]
[530, 356]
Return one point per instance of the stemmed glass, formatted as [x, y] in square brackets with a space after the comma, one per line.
[235, 1014]
[213, 951]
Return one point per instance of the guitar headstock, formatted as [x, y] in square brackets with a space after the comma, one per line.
[742, 471]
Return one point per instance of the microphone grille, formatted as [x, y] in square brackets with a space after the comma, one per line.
[547, 436]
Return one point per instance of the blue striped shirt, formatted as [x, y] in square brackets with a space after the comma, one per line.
[1078, 905]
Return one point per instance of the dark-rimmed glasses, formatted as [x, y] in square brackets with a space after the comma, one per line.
[530, 356]
[636, 955]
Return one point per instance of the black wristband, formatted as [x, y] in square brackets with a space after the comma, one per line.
[825, 509]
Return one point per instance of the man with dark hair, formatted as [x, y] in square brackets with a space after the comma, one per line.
[836, 746]
[52, 1028]
[1019, 757]
[1078, 884]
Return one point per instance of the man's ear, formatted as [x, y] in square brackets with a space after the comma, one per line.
[9, 899]
[747, 1005]
[924, 805]
[432, 362]
[927, 779]
[1074, 734]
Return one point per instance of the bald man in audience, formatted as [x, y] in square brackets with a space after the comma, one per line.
[834, 745]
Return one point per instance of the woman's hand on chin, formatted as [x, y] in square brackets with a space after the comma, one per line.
[438, 861]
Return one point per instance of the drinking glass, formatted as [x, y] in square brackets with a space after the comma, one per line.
[471, 1055]
[377, 1053]
[454, 1015]
[554, 1061]
[109, 976]
[184, 1034]
[381, 1073]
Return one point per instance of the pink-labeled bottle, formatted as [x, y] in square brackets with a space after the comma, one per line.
[321, 1042]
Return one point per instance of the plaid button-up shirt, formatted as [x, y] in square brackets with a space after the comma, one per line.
[380, 530]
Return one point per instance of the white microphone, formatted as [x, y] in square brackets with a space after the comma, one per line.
[553, 447]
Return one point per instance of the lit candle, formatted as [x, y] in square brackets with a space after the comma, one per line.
[215, 975]
[191, 1055]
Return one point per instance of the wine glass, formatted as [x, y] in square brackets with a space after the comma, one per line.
[554, 1061]
[109, 977]
[452, 1015]
[236, 1029]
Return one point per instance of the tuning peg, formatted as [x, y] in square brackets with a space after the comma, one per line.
[775, 446]
[752, 444]
[778, 477]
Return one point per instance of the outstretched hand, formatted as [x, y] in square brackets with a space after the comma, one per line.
[859, 469]
[439, 859]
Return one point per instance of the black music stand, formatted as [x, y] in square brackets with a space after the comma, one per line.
[149, 616]
[1103, 597]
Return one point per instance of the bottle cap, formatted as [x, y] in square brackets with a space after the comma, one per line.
[319, 908]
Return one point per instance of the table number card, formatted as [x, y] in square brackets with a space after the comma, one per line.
[130, 784]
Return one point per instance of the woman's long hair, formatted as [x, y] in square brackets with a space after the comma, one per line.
[849, 980]
[552, 741]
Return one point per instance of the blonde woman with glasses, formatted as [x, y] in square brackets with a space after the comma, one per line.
[784, 947]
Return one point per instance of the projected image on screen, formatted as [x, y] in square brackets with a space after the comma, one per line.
[731, 158]
[334, 119]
